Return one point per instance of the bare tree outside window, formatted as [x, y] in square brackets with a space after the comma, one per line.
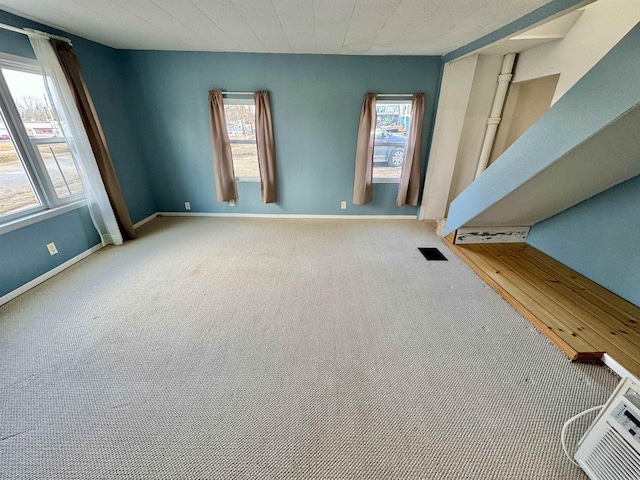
[40, 122]
[241, 126]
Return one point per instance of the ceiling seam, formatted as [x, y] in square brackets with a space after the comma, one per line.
[348, 26]
[248, 25]
[284, 33]
[385, 24]
[183, 24]
[147, 22]
[313, 20]
[213, 21]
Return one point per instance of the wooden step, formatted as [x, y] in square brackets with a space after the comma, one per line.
[581, 317]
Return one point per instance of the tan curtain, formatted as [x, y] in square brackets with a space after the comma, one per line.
[71, 68]
[222, 160]
[363, 181]
[266, 147]
[409, 187]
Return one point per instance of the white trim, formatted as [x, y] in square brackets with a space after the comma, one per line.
[239, 101]
[288, 215]
[248, 179]
[16, 62]
[617, 368]
[386, 179]
[46, 276]
[40, 216]
[145, 220]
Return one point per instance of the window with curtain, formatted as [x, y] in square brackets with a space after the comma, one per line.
[393, 119]
[37, 170]
[240, 115]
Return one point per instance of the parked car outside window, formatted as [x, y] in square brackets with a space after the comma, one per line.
[389, 148]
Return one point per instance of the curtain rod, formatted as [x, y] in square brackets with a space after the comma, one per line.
[379, 94]
[33, 33]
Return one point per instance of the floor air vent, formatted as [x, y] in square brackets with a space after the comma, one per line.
[432, 254]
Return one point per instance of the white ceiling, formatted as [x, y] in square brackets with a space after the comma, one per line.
[369, 27]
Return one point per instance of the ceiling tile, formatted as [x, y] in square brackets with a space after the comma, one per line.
[264, 21]
[229, 20]
[370, 27]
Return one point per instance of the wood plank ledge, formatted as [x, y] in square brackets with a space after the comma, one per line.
[582, 318]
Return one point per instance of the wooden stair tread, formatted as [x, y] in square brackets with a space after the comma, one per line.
[581, 317]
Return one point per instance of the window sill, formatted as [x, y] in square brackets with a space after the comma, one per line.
[40, 216]
[248, 179]
[386, 180]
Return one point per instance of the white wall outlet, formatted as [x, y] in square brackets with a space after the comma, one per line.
[187, 205]
[343, 205]
[52, 248]
[232, 203]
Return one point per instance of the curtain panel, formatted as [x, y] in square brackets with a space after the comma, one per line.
[225, 178]
[73, 107]
[409, 186]
[266, 147]
[363, 179]
[70, 65]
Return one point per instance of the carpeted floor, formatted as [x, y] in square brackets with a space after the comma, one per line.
[259, 348]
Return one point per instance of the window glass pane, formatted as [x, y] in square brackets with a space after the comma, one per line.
[62, 168]
[16, 191]
[40, 121]
[242, 135]
[392, 126]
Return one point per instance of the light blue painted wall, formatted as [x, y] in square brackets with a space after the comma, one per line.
[607, 91]
[316, 102]
[23, 255]
[537, 15]
[599, 238]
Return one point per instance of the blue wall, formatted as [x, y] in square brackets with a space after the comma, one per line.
[599, 238]
[315, 100]
[23, 254]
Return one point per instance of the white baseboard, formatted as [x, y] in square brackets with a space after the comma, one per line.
[46, 276]
[288, 215]
[145, 220]
[617, 368]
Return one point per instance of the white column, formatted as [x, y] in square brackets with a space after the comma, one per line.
[457, 80]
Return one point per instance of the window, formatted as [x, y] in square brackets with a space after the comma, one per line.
[392, 127]
[240, 115]
[37, 170]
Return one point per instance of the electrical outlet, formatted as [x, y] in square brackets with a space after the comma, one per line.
[187, 205]
[343, 205]
[52, 248]
[232, 203]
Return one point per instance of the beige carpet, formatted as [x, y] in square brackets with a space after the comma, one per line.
[256, 348]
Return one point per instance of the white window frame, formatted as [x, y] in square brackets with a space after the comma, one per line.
[387, 102]
[30, 157]
[242, 101]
